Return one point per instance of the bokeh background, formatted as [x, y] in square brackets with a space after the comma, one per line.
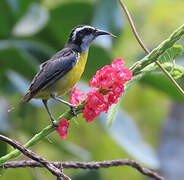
[149, 126]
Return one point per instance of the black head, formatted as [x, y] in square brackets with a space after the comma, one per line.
[82, 36]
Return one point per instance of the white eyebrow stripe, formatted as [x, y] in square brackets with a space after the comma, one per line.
[80, 29]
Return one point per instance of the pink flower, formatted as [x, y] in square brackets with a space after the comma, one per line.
[103, 78]
[63, 128]
[111, 98]
[117, 89]
[122, 75]
[90, 113]
[93, 82]
[114, 93]
[95, 104]
[76, 96]
[94, 98]
[118, 63]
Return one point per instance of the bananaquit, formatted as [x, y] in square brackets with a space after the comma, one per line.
[60, 73]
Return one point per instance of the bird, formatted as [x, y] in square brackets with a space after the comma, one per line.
[61, 72]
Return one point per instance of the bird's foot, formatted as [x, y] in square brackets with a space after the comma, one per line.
[73, 110]
[54, 123]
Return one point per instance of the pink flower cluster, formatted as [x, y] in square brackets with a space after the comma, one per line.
[107, 87]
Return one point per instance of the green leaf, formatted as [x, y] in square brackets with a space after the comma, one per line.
[3, 151]
[162, 83]
[112, 113]
[6, 20]
[177, 74]
[171, 54]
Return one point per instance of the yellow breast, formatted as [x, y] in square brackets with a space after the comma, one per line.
[64, 84]
[74, 75]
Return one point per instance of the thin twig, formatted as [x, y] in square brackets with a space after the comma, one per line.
[133, 26]
[146, 49]
[54, 170]
[86, 165]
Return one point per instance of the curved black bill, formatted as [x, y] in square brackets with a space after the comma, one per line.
[100, 32]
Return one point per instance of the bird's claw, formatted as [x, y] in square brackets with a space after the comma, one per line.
[54, 123]
[73, 111]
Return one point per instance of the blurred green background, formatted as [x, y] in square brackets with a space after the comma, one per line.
[32, 31]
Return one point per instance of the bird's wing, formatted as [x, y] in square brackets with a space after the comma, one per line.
[52, 70]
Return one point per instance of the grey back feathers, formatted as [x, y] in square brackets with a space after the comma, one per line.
[52, 70]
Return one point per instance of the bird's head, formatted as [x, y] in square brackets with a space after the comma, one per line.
[82, 36]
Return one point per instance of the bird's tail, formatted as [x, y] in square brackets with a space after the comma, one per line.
[11, 109]
[26, 98]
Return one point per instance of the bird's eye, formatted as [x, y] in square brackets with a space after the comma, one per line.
[88, 31]
[81, 34]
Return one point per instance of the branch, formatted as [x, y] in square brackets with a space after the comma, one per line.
[146, 50]
[86, 165]
[158, 51]
[53, 169]
[136, 68]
